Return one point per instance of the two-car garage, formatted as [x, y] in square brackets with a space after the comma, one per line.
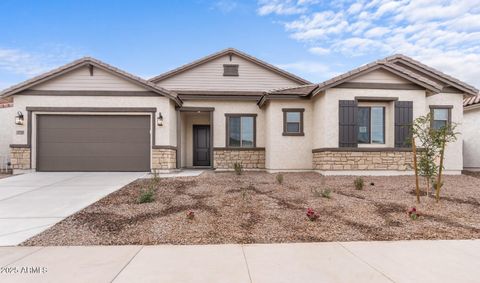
[93, 142]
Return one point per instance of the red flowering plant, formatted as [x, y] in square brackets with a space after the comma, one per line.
[190, 215]
[413, 213]
[311, 214]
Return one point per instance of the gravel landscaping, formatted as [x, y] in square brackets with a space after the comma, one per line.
[254, 208]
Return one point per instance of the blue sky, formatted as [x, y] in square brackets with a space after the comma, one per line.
[311, 38]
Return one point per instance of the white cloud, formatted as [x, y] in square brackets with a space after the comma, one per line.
[25, 63]
[319, 50]
[314, 71]
[442, 33]
[280, 7]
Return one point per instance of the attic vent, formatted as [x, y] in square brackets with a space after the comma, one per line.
[230, 70]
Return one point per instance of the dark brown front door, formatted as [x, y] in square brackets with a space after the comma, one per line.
[93, 143]
[201, 145]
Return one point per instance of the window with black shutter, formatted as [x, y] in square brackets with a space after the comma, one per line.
[347, 122]
[403, 123]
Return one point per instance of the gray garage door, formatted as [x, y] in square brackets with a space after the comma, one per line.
[93, 143]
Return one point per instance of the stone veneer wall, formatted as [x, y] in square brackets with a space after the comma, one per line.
[20, 157]
[363, 160]
[250, 159]
[164, 158]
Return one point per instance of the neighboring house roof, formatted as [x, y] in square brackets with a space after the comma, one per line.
[4, 103]
[89, 61]
[471, 102]
[469, 89]
[225, 52]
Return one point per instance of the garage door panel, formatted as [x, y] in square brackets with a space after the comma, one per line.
[93, 143]
[88, 164]
[125, 135]
[93, 122]
[93, 149]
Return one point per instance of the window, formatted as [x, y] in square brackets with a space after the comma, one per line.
[441, 116]
[241, 130]
[371, 125]
[293, 121]
[230, 70]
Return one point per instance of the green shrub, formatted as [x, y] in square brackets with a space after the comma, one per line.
[147, 195]
[237, 166]
[280, 178]
[326, 193]
[359, 183]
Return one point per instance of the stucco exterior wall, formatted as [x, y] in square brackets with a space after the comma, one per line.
[288, 152]
[471, 139]
[7, 125]
[453, 152]
[223, 107]
[326, 109]
[209, 76]
[162, 133]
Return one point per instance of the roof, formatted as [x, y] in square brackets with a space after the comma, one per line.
[471, 101]
[225, 52]
[469, 89]
[89, 61]
[4, 103]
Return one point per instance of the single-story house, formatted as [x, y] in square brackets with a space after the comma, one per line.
[471, 133]
[230, 107]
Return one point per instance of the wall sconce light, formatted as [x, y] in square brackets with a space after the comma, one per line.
[19, 118]
[160, 119]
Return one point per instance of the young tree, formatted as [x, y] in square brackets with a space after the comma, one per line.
[433, 143]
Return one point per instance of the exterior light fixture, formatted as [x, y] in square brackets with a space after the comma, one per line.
[19, 118]
[160, 119]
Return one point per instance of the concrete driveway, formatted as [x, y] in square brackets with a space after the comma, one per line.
[31, 203]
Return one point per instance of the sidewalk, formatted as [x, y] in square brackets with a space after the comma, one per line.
[404, 261]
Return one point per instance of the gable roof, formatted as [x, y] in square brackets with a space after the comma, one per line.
[89, 61]
[228, 51]
[434, 73]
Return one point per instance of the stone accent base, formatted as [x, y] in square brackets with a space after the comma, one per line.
[250, 159]
[20, 158]
[363, 160]
[164, 159]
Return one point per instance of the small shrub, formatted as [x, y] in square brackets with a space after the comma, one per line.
[280, 178]
[190, 215]
[326, 193]
[147, 195]
[311, 214]
[413, 213]
[237, 166]
[316, 192]
[359, 183]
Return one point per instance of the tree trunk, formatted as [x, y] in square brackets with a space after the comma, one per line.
[417, 187]
[439, 180]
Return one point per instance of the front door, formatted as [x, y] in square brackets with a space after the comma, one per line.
[201, 145]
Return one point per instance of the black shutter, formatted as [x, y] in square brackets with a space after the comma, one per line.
[347, 122]
[403, 122]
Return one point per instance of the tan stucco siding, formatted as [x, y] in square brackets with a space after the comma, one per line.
[209, 76]
[326, 111]
[81, 79]
[380, 76]
[453, 153]
[7, 125]
[288, 152]
[471, 139]
[235, 107]
[162, 134]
